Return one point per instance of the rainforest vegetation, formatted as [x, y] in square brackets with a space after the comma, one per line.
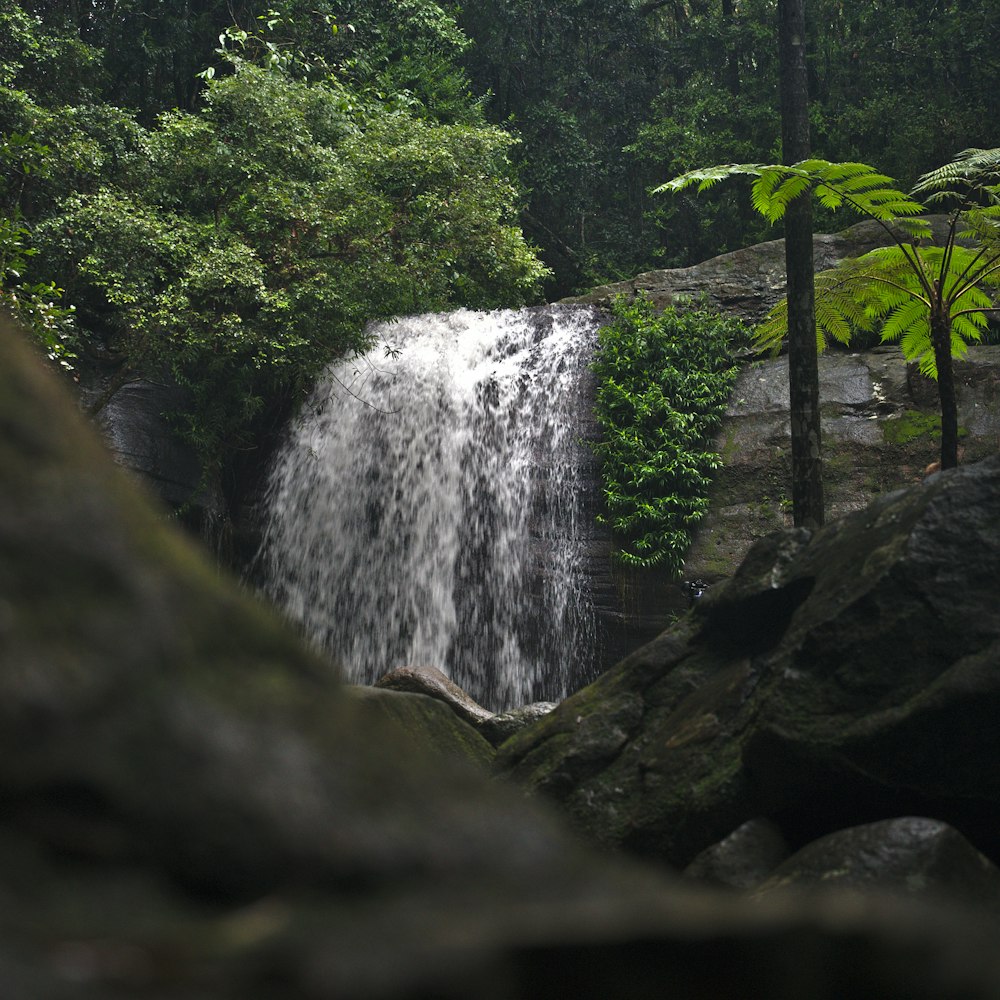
[227, 190]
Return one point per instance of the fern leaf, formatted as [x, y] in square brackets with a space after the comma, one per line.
[786, 192]
[915, 344]
[770, 335]
[927, 364]
[968, 329]
[813, 165]
[762, 190]
[971, 169]
[775, 188]
[906, 316]
[859, 181]
[706, 177]
[914, 228]
[831, 321]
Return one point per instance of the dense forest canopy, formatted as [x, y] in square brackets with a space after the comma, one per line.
[227, 190]
[611, 96]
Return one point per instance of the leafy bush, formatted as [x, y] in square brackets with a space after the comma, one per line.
[255, 239]
[663, 382]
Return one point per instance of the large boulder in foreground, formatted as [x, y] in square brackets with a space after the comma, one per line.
[835, 680]
[192, 807]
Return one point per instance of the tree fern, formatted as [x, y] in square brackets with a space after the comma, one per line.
[932, 299]
[970, 172]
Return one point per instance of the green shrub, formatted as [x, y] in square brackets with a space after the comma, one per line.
[663, 383]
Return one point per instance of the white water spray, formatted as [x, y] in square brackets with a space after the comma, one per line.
[426, 510]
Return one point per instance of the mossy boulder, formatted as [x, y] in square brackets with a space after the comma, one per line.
[910, 856]
[429, 722]
[836, 679]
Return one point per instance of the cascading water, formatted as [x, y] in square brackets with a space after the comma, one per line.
[427, 508]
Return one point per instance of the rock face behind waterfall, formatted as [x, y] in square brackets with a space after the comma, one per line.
[833, 681]
[749, 281]
[880, 431]
[879, 434]
[879, 415]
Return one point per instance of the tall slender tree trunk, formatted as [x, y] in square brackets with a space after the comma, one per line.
[803, 365]
[732, 50]
[941, 342]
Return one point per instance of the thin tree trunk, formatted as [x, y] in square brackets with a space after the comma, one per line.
[941, 341]
[732, 52]
[803, 366]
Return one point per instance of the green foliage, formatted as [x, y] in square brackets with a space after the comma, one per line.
[896, 83]
[912, 425]
[36, 304]
[663, 383]
[886, 291]
[932, 298]
[855, 185]
[900, 289]
[239, 245]
[257, 238]
[604, 96]
[573, 81]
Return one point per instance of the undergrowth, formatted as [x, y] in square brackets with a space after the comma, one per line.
[663, 382]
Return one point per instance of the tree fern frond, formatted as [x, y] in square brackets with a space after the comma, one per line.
[871, 180]
[968, 329]
[973, 299]
[914, 228]
[927, 364]
[905, 316]
[762, 190]
[970, 168]
[814, 166]
[982, 224]
[959, 345]
[706, 177]
[770, 335]
[775, 188]
[786, 192]
[915, 344]
[831, 321]
[864, 189]
[885, 204]
[942, 198]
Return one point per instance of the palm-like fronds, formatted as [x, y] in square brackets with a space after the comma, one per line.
[927, 297]
[973, 173]
[856, 185]
[707, 177]
[891, 289]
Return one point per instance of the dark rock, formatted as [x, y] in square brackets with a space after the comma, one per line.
[877, 412]
[744, 859]
[910, 856]
[428, 721]
[747, 282]
[501, 727]
[435, 684]
[868, 688]
[192, 807]
[880, 430]
[136, 420]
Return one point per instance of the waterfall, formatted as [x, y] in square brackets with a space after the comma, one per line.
[427, 508]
